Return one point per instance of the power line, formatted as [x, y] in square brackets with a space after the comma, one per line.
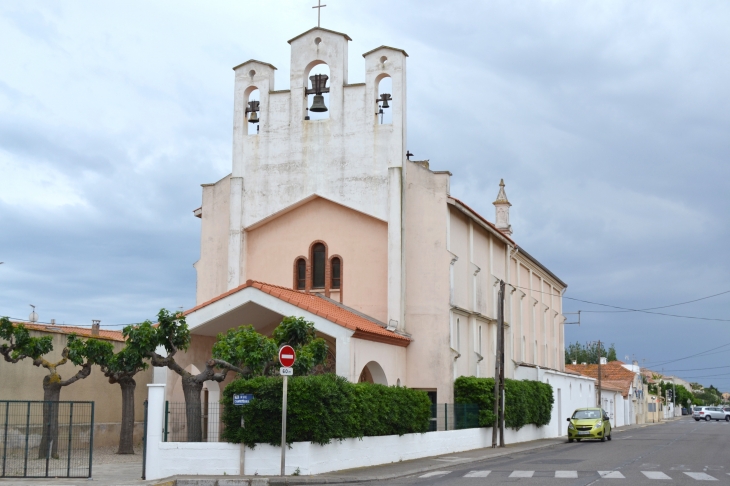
[645, 311]
[690, 356]
[699, 369]
[665, 306]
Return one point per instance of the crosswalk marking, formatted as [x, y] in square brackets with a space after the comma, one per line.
[655, 475]
[477, 474]
[700, 476]
[434, 473]
[611, 475]
[522, 474]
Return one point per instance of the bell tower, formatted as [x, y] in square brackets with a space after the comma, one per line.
[353, 156]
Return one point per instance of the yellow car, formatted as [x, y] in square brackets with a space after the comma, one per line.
[589, 423]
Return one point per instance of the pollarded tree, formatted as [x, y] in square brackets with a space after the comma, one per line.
[120, 368]
[82, 353]
[241, 350]
[172, 334]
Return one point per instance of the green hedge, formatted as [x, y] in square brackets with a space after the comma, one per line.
[321, 408]
[526, 402]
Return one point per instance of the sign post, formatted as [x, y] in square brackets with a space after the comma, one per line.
[287, 356]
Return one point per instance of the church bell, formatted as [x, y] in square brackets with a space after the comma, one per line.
[318, 104]
[385, 103]
[254, 117]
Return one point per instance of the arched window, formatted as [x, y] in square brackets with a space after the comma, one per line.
[336, 268]
[319, 258]
[301, 274]
[251, 117]
[384, 96]
[323, 99]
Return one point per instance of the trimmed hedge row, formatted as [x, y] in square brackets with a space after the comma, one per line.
[321, 408]
[526, 402]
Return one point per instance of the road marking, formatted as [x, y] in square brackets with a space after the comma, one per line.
[611, 475]
[434, 473]
[700, 476]
[655, 475]
[566, 474]
[522, 474]
[477, 474]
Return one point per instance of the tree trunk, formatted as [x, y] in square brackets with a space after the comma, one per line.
[193, 410]
[51, 396]
[126, 436]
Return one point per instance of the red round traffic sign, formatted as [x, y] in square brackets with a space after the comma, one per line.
[287, 356]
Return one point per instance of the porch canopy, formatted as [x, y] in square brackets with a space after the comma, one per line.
[264, 305]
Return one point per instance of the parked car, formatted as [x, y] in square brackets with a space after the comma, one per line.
[589, 423]
[710, 413]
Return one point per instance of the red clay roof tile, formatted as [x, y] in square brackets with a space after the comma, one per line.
[364, 328]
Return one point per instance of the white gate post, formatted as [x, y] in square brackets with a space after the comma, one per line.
[155, 421]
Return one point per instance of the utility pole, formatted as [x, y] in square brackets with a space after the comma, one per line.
[498, 367]
[598, 391]
[500, 323]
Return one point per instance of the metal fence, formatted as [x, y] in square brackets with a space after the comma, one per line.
[190, 423]
[46, 439]
[454, 416]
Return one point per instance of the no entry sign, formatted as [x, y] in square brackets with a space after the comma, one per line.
[287, 356]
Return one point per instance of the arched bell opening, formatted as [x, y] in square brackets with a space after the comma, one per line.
[384, 98]
[252, 113]
[373, 373]
[317, 84]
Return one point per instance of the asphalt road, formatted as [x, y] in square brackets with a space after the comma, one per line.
[679, 452]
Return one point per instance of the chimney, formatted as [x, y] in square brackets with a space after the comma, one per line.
[501, 205]
[95, 324]
[604, 360]
[53, 322]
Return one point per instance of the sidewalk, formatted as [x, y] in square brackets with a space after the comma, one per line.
[128, 474]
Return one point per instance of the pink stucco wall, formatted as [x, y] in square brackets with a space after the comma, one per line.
[361, 241]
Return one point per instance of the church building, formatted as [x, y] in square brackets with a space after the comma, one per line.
[325, 216]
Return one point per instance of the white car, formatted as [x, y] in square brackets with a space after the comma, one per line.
[710, 413]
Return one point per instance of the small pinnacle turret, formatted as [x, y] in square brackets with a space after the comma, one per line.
[502, 205]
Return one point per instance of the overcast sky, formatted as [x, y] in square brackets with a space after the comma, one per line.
[609, 121]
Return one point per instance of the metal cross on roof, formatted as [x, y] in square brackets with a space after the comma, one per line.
[319, 10]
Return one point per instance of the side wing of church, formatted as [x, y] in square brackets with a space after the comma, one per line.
[326, 217]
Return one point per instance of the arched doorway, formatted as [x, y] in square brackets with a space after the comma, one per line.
[373, 373]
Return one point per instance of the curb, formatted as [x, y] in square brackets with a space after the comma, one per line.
[322, 479]
[316, 479]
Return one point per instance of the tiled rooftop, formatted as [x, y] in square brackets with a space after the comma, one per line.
[365, 328]
[612, 373]
[81, 331]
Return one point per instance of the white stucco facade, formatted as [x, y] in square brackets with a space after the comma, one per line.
[413, 258]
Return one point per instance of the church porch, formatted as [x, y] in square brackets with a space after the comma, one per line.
[360, 348]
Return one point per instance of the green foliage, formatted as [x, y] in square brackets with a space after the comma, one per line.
[588, 353]
[20, 344]
[526, 402]
[245, 348]
[321, 408]
[257, 354]
[171, 332]
[93, 351]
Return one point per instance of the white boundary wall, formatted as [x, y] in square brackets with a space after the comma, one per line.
[166, 459]
[569, 392]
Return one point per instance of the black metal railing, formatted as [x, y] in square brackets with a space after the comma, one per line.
[46, 439]
[192, 423]
[454, 416]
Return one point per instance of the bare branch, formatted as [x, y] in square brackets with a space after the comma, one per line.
[82, 373]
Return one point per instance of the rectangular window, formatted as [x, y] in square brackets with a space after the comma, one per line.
[336, 273]
[318, 265]
[301, 274]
